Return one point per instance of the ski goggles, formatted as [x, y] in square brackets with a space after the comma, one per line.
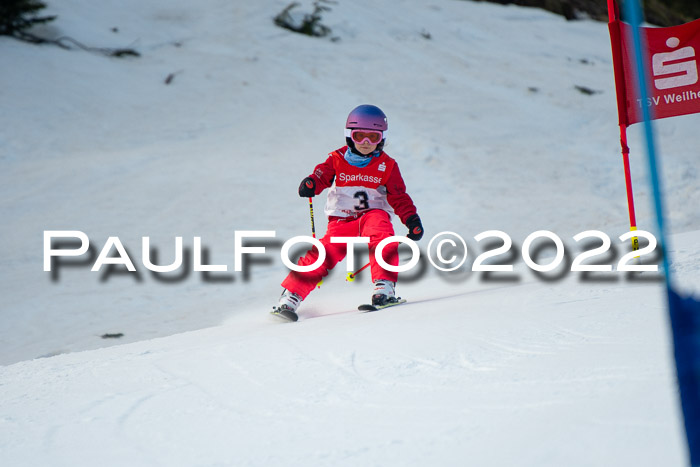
[360, 136]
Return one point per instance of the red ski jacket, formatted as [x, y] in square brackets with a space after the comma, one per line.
[356, 190]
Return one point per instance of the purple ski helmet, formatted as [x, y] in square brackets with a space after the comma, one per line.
[368, 117]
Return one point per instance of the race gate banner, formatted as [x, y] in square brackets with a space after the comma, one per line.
[672, 57]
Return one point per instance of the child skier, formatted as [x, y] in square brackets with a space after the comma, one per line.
[365, 187]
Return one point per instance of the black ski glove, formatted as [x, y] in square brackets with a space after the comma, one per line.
[415, 228]
[307, 189]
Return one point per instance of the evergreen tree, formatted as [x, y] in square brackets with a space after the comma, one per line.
[18, 15]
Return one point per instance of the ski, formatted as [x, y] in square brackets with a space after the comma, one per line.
[287, 315]
[368, 307]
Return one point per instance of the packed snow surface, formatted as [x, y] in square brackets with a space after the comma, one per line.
[501, 118]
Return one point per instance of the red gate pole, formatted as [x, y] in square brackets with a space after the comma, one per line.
[620, 90]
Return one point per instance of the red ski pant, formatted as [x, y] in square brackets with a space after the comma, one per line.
[375, 224]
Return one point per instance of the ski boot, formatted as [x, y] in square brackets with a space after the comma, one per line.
[287, 306]
[384, 294]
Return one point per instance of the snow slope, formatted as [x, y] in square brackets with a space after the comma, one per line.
[490, 132]
[510, 376]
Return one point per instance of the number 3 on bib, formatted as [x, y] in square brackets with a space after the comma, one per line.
[364, 198]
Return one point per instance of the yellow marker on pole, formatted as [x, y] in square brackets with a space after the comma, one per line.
[635, 243]
[351, 275]
[635, 240]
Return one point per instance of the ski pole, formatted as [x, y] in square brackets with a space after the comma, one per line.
[311, 211]
[351, 275]
[313, 227]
